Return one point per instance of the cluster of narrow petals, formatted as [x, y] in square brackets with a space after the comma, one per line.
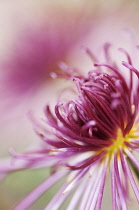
[92, 135]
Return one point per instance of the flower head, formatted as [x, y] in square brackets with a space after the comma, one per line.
[91, 135]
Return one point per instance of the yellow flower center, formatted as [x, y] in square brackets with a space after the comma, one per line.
[119, 142]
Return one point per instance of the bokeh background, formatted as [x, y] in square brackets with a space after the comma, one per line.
[36, 38]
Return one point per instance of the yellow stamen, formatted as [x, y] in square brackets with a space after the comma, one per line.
[118, 143]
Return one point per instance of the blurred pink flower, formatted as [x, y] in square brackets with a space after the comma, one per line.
[36, 52]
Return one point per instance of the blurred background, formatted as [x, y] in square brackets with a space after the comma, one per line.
[35, 38]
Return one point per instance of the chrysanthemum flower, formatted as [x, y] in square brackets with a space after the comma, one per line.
[91, 136]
